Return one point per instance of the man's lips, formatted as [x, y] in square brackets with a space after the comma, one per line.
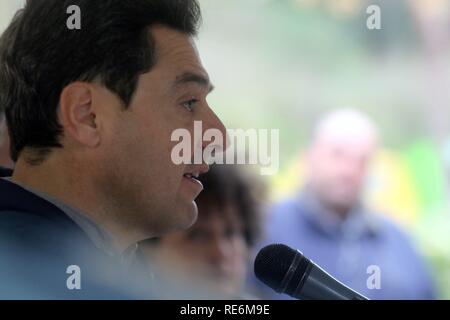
[195, 171]
[191, 178]
[195, 174]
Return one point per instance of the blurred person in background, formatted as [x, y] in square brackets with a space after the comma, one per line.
[212, 258]
[330, 224]
[87, 186]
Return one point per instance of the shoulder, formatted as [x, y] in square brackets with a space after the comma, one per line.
[287, 211]
[284, 207]
[17, 218]
[388, 227]
[35, 254]
[22, 225]
[286, 220]
[30, 235]
[395, 238]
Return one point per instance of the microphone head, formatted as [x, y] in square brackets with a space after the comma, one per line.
[273, 263]
[288, 271]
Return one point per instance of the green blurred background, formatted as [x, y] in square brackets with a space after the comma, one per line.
[283, 63]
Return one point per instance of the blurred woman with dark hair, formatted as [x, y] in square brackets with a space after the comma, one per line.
[211, 259]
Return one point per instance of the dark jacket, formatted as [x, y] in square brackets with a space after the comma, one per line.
[40, 244]
[5, 172]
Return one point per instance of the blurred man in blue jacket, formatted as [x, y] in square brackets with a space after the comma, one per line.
[328, 222]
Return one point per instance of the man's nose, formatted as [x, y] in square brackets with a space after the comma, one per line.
[212, 122]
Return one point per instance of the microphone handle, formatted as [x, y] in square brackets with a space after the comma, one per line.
[320, 285]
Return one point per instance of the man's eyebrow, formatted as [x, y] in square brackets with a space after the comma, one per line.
[188, 77]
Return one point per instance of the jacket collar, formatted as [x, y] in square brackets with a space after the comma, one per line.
[15, 198]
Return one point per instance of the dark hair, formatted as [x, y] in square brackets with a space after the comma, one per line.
[227, 184]
[39, 56]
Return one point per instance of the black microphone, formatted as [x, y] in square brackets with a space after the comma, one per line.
[288, 271]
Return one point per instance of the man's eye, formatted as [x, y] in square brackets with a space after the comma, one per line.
[190, 105]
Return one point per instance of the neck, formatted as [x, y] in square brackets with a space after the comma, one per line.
[74, 186]
[340, 212]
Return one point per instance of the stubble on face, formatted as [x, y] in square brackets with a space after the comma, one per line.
[139, 177]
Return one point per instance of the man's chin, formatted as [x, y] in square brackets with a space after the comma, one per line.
[187, 215]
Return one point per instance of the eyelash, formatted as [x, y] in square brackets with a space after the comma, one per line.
[189, 102]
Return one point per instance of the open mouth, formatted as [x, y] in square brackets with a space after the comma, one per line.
[195, 174]
[193, 177]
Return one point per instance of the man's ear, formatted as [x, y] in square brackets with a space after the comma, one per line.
[77, 115]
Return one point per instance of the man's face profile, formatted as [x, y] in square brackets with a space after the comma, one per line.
[136, 156]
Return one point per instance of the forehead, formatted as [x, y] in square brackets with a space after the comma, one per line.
[355, 147]
[176, 50]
